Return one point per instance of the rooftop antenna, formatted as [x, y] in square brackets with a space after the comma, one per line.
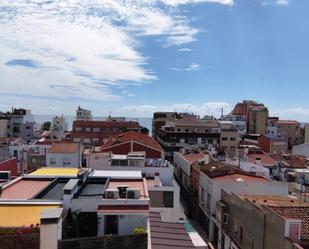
[221, 113]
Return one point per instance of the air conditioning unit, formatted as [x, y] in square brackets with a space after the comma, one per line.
[132, 193]
[5, 175]
[111, 194]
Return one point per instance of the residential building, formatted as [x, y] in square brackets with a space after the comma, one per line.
[273, 144]
[59, 127]
[3, 128]
[83, 114]
[90, 132]
[288, 165]
[228, 142]
[67, 155]
[133, 141]
[188, 131]
[256, 116]
[306, 134]
[291, 130]
[218, 176]
[257, 221]
[301, 150]
[20, 123]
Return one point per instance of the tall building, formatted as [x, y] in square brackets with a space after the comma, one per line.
[290, 129]
[59, 127]
[256, 115]
[83, 114]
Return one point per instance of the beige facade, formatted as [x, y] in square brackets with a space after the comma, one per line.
[289, 129]
[257, 119]
[3, 128]
[228, 142]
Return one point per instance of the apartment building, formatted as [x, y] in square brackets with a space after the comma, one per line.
[229, 141]
[83, 114]
[219, 176]
[291, 130]
[91, 132]
[59, 127]
[273, 144]
[257, 221]
[185, 132]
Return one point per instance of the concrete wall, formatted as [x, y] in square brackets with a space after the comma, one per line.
[3, 128]
[74, 159]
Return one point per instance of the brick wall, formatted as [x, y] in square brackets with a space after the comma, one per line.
[106, 242]
[25, 241]
[9, 165]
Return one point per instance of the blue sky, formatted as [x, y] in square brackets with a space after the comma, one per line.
[135, 57]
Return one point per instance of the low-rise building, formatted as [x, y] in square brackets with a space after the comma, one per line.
[255, 221]
[64, 155]
[273, 144]
[83, 114]
[91, 132]
[218, 176]
[133, 141]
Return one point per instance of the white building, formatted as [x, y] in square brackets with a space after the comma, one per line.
[301, 150]
[59, 127]
[214, 179]
[83, 114]
[64, 155]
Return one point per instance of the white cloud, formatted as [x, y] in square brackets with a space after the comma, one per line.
[295, 113]
[282, 2]
[185, 50]
[191, 67]
[83, 47]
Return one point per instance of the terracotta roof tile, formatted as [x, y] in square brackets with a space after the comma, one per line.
[64, 148]
[192, 157]
[132, 136]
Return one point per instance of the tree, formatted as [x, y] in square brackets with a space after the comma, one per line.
[46, 126]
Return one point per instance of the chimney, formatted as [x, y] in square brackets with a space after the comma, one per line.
[157, 181]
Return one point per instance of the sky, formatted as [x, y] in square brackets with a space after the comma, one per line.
[132, 58]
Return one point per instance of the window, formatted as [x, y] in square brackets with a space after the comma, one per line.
[168, 199]
[241, 233]
[208, 201]
[225, 219]
[232, 138]
[88, 129]
[78, 128]
[224, 138]
[96, 129]
[202, 195]
[52, 161]
[187, 130]
[66, 161]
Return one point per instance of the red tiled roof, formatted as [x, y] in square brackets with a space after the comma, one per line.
[123, 208]
[167, 235]
[273, 200]
[132, 136]
[295, 212]
[24, 189]
[241, 178]
[266, 160]
[292, 160]
[64, 148]
[192, 157]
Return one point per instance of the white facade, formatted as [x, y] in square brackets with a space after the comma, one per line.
[3, 128]
[59, 127]
[83, 114]
[65, 160]
[301, 150]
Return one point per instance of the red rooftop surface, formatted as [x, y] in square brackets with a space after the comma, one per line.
[192, 157]
[266, 160]
[123, 209]
[64, 148]
[121, 144]
[241, 178]
[292, 161]
[294, 122]
[24, 189]
[10, 165]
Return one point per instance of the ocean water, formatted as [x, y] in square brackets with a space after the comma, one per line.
[146, 122]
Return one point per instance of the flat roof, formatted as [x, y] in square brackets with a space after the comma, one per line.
[54, 191]
[24, 189]
[23, 214]
[55, 172]
[136, 184]
[93, 187]
[116, 174]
